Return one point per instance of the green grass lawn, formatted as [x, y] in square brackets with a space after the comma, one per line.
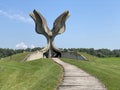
[16, 57]
[41, 74]
[107, 70]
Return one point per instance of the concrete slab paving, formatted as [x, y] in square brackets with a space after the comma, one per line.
[76, 79]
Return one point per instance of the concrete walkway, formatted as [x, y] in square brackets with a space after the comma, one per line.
[76, 79]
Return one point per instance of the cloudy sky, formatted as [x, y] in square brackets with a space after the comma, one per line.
[92, 24]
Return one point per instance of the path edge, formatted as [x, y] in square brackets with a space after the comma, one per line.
[62, 75]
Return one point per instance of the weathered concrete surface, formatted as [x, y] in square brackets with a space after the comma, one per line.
[34, 55]
[42, 28]
[76, 79]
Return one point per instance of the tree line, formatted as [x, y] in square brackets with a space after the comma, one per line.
[96, 52]
[4, 52]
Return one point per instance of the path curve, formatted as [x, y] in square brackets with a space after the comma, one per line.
[76, 79]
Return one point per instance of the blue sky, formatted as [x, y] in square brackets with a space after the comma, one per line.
[92, 24]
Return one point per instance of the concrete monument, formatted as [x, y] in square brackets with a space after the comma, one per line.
[41, 28]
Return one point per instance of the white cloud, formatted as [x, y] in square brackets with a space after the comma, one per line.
[21, 45]
[16, 17]
[32, 46]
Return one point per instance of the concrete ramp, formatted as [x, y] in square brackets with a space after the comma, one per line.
[34, 55]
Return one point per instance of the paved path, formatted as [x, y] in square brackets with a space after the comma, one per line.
[76, 79]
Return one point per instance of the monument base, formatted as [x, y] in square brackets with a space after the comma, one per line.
[73, 55]
[51, 54]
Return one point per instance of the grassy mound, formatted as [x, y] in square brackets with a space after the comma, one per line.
[39, 74]
[16, 57]
[87, 56]
[107, 70]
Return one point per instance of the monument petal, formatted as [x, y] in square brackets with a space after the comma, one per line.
[59, 24]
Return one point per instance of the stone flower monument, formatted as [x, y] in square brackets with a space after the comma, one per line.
[41, 28]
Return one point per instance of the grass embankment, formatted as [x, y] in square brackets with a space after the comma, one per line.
[39, 74]
[17, 57]
[87, 56]
[107, 70]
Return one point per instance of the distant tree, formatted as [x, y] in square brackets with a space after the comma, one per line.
[116, 53]
[36, 48]
[65, 50]
[98, 52]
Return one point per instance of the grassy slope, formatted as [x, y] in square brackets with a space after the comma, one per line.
[107, 70]
[17, 57]
[88, 56]
[34, 75]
